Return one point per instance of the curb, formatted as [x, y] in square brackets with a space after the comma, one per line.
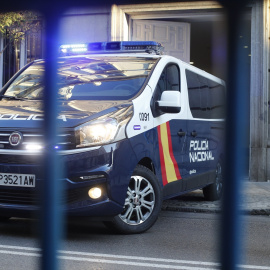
[190, 210]
[260, 212]
[173, 208]
[254, 200]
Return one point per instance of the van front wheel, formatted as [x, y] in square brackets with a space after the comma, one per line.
[142, 204]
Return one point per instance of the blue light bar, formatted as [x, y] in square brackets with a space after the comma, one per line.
[113, 46]
[73, 48]
[140, 45]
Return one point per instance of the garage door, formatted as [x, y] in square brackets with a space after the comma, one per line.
[174, 36]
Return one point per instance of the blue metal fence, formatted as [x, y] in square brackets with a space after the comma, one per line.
[237, 85]
[51, 216]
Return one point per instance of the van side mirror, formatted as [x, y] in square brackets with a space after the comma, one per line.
[170, 102]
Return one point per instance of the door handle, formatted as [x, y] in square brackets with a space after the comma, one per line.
[181, 133]
[194, 133]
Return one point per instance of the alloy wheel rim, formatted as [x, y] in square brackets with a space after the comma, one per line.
[140, 201]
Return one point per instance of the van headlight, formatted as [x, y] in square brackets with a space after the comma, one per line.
[103, 130]
[96, 132]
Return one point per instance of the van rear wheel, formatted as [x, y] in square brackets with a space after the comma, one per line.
[142, 204]
[214, 191]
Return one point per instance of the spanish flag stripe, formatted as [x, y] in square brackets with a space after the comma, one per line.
[166, 155]
[162, 162]
[171, 152]
[170, 172]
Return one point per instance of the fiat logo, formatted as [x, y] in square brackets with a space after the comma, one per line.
[15, 138]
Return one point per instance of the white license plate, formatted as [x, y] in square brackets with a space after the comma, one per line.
[17, 180]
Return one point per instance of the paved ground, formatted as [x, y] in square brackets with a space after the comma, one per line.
[256, 201]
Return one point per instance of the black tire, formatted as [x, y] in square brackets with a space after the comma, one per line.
[214, 191]
[142, 204]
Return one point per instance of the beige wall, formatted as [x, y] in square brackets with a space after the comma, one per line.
[86, 25]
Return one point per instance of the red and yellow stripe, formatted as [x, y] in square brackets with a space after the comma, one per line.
[169, 168]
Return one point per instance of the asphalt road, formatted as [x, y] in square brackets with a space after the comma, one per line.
[177, 241]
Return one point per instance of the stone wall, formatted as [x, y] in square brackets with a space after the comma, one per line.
[259, 93]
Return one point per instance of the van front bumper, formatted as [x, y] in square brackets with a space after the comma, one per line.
[108, 167]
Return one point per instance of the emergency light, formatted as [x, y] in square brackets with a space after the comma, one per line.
[112, 47]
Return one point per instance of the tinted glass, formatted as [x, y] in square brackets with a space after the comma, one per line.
[168, 80]
[194, 94]
[217, 100]
[206, 97]
[173, 81]
[161, 85]
[87, 78]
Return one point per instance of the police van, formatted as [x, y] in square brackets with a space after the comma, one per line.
[135, 127]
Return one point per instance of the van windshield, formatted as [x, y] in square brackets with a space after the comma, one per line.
[86, 78]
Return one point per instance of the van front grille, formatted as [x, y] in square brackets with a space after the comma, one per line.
[65, 140]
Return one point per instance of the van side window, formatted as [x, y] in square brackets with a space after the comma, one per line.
[194, 94]
[168, 80]
[206, 97]
[161, 86]
[217, 100]
[173, 78]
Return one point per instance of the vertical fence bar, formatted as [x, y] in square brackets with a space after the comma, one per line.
[1, 60]
[51, 218]
[237, 90]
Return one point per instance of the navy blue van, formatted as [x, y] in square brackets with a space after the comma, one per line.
[135, 127]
